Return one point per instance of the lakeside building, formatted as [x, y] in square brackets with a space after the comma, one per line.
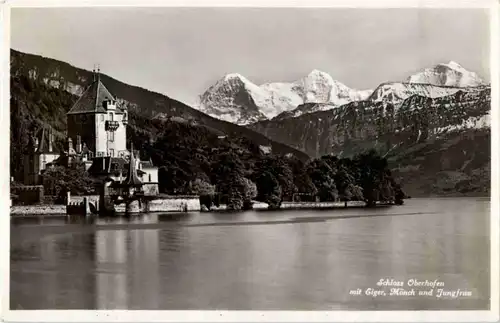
[43, 154]
[98, 126]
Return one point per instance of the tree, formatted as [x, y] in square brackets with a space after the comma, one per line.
[249, 193]
[374, 178]
[322, 176]
[269, 190]
[281, 171]
[58, 180]
[201, 187]
[301, 178]
[346, 184]
[241, 192]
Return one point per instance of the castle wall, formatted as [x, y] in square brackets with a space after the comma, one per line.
[34, 164]
[28, 195]
[31, 169]
[120, 143]
[101, 136]
[151, 175]
[83, 124]
[107, 143]
[44, 159]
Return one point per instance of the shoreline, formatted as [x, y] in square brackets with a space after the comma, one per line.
[59, 210]
[54, 210]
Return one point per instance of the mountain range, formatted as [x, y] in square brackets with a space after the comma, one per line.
[236, 99]
[439, 145]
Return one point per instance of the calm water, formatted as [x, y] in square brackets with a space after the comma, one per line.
[287, 260]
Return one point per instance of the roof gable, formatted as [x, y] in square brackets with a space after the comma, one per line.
[92, 99]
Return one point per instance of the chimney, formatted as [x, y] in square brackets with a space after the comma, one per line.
[78, 144]
[50, 140]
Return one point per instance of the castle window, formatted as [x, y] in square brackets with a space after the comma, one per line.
[112, 152]
[111, 136]
[149, 175]
[102, 117]
[111, 117]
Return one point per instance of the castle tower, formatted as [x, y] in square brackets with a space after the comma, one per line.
[43, 154]
[96, 121]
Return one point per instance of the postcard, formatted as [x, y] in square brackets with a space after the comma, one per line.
[282, 161]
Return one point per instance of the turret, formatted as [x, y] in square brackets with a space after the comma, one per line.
[109, 104]
[132, 178]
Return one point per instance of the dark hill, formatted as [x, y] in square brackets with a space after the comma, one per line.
[185, 151]
[65, 77]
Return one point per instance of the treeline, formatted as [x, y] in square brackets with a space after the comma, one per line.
[197, 160]
[275, 179]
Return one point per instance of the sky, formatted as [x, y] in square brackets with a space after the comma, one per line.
[180, 52]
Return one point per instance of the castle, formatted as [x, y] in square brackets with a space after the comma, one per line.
[98, 127]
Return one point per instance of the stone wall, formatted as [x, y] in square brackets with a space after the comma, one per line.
[20, 210]
[175, 204]
[319, 205]
[151, 189]
[169, 204]
[164, 204]
[94, 199]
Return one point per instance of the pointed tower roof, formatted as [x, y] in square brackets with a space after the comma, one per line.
[93, 97]
[132, 178]
[44, 138]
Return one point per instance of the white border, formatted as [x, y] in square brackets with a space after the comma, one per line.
[246, 316]
[258, 3]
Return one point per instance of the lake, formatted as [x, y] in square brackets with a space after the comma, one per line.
[259, 260]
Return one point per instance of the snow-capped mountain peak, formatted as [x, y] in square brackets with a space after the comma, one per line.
[319, 74]
[236, 99]
[234, 76]
[447, 74]
[453, 65]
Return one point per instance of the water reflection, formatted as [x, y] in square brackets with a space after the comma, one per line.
[127, 265]
[118, 264]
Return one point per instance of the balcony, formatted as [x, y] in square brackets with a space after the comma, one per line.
[111, 125]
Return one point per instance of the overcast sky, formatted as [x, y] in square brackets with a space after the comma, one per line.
[182, 51]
